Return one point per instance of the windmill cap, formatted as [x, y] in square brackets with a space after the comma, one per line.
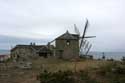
[67, 35]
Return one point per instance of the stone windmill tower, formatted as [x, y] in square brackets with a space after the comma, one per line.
[69, 46]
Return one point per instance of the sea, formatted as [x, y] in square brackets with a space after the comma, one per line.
[108, 55]
[96, 55]
[4, 52]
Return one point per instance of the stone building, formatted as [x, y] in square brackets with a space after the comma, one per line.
[26, 51]
[67, 46]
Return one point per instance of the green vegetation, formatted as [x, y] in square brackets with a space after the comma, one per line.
[87, 71]
[56, 77]
[113, 72]
[65, 77]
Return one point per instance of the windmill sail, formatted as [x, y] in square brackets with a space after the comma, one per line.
[84, 43]
[76, 30]
[88, 49]
[84, 32]
[89, 36]
[87, 45]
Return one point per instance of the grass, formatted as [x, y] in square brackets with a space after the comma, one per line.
[96, 70]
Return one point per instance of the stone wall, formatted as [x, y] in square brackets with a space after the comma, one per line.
[67, 51]
[22, 52]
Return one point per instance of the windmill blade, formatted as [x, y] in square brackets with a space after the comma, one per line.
[89, 37]
[84, 32]
[76, 30]
[84, 42]
[52, 41]
[88, 49]
[83, 46]
[87, 45]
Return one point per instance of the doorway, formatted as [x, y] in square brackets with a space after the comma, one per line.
[43, 54]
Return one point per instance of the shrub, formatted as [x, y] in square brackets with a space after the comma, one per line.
[119, 70]
[65, 77]
[85, 78]
[56, 77]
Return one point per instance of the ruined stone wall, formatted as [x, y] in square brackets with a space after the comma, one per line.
[22, 53]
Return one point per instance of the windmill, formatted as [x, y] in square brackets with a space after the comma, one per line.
[84, 44]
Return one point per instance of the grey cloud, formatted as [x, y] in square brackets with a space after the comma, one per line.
[47, 19]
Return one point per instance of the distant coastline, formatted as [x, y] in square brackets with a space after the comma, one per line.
[108, 55]
[2, 51]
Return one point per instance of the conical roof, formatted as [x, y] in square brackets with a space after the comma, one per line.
[67, 35]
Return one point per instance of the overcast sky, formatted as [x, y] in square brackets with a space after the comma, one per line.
[47, 19]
